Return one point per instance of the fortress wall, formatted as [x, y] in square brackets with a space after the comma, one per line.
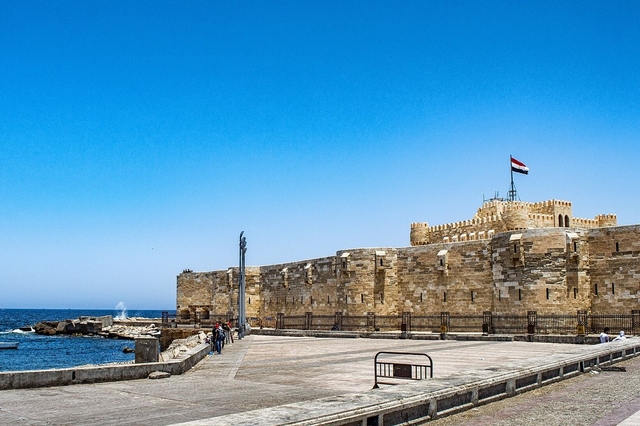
[253, 293]
[299, 287]
[539, 220]
[615, 269]
[607, 220]
[552, 207]
[466, 267]
[433, 281]
[478, 228]
[195, 288]
[530, 273]
[364, 285]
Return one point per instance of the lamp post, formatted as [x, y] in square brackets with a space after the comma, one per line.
[242, 316]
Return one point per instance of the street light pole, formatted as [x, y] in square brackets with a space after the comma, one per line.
[242, 316]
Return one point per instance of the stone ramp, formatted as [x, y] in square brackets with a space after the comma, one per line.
[280, 380]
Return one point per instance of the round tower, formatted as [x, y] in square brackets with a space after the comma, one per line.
[420, 234]
[515, 216]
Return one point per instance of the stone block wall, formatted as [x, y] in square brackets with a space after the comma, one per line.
[548, 270]
[615, 269]
[367, 281]
[299, 287]
[453, 277]
[538, 270]
[194, 289]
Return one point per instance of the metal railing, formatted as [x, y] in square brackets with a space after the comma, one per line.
[530, 322]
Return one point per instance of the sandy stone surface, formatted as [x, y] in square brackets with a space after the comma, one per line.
[602, 399]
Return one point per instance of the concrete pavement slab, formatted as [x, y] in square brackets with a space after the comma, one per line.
[259, 372]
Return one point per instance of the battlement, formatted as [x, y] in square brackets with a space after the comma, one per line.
[606, 217]
[552, 203]
[464, 223]
[501, 216]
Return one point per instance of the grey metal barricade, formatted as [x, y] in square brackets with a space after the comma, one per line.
[397, 368]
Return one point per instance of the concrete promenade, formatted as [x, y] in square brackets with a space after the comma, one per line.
[255, 377]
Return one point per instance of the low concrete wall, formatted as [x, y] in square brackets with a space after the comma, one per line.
[424, 400]
[104, 373]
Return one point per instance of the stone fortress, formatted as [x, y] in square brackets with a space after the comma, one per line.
[510, 258]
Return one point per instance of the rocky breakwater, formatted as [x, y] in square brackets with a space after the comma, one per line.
[98, 326]
[181, 346]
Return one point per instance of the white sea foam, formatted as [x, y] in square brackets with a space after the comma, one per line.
[17, 331]
[123, 311]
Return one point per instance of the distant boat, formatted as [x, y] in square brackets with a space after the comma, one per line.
[8, 345]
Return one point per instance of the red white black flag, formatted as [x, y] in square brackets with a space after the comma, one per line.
[518, 167]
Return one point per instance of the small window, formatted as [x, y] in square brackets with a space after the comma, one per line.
[362, 298]
[575, 246]
[547, 294]
[566, 221]
[441, 262]
[328, 300]
[344, 264]
[381, 297]
[472, 296]
[613, 288]
[617, 246]
[575, 293]
[420, 297]
[444, 299]
[560, 221]
[595, 289]
[380, 262]
[519, 294]
[249, 301]
[515, 248]
[346, 299]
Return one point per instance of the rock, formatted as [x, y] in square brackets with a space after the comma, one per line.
[128, 350]
[46, 327]
[159, 375]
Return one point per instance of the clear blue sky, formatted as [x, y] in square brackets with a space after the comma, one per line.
[138, 139]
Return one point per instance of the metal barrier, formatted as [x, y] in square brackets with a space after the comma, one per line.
[398, 369]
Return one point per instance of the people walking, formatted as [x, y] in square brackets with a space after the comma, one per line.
[219, 336]
[227, 330]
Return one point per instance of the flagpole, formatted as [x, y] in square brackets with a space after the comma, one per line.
[512, 190]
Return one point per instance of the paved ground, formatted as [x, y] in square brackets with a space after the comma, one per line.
[604, 399]
[264, 371]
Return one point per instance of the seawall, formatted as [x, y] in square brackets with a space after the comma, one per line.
[103, 373]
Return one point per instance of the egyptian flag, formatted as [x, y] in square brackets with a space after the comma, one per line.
[518, 167]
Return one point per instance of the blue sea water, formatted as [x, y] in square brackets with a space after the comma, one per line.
[37, 352]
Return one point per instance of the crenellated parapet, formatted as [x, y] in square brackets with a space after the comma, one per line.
[500, 216]
[607, 220]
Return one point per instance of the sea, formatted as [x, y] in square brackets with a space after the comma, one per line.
[36, 352]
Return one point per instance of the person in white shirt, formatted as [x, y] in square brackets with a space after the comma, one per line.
[620, 337]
